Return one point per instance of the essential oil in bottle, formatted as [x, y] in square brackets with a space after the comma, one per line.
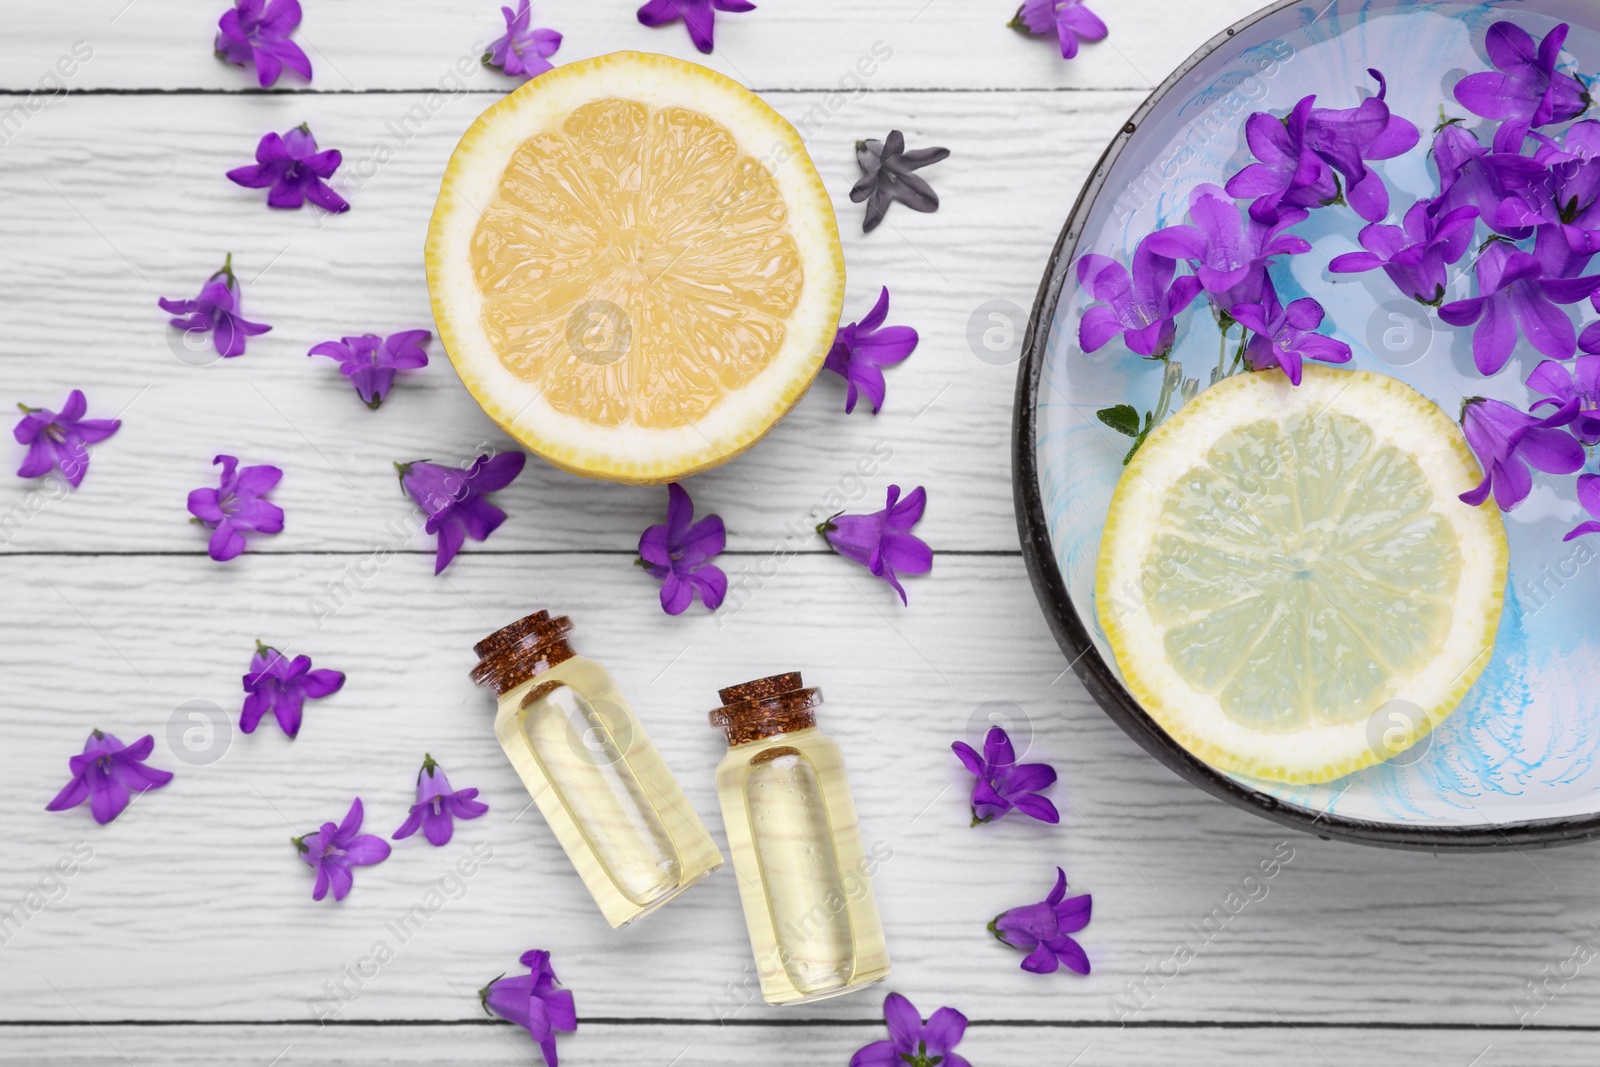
[804, 879]
[597, 778]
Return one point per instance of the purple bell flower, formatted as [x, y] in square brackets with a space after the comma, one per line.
[1518, 289]
[1562, 385]
[1525, 88]
[256, 32]
[1589, 497]
[522, 49]
[1230, 250]
[334, 850]
[370, 361]
[107, 773]
[454, 501]
[1142, 308]
[1042, 930]
[1414, 255]
[1002, 784]
[1568, 194]
[678, 553]
[438, 806]
[1283, 337]
[1507, 441]
[237, 505]
[699, 16]
[295, 170]
[1069, 20]
[533, 1002]
[280, 685]
[216, 310]
[913, 1043]
[60, 440]
[883, 542]
[861, 349]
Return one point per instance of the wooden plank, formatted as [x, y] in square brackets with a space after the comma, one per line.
[198, 885]
[98, 244]
[940, 44]
[782, 1046]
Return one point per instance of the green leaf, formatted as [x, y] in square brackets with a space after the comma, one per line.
[1123, 418]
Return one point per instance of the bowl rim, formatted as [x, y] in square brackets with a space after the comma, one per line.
[1067, 625]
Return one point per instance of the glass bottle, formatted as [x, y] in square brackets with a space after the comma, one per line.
[592, 769]
[804, 879]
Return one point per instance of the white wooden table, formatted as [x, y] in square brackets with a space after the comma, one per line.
[190, 937]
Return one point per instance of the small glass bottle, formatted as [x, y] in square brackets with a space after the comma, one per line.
[804, 878]
[593, 770]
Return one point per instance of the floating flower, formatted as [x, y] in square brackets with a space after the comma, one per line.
[237, 505]
[883, 542]
[60, 440]
[523, 49]
[1519, 289]
[1069, 20]
[1002, 784]
[862, 348]
[1507, 441]
[698, 15]
[1041, 929]
[295, 170]
[1283, 336]
[333, 850]
[911, 1042]
[886, 176]
[1589, 497]
[1569, 194]
[1414, 255]
[216, 310]
[678, 552]
[1142, 308]
[256, 32]
[438, 806]
[453, 499]
[280, 685]
[1495, 181]
[369, 361]
[1231, 251]
[1525, 88]
[1562, 386]
[533, 1002]
[107, 773]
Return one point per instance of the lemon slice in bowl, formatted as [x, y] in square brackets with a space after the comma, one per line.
[634, 266]
[1287, 579]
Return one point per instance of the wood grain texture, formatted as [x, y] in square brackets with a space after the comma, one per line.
[785, 44]
[198, 884]
[101, 241]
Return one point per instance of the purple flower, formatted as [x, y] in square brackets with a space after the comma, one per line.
[677, 552]
[1568, 196]
[333, 850]
[1519, 289]
[106, 773]
[369, 361]
[883, 542]
[438, 807]
[1581, 385]
[1414, 255]
[533, 1002]
[1231, 251]
[282, 686]
[698, 15]
[236, 505]
[453, 499]
[1003, 784]
[1143, 308]
[1527, 90]
[1067, 19]
[1507, 441]
[1282, 336]
[1589, 497]
[522, 49]
[216, 309]
[862, 348]
[1042, 930]
[911, 1043]
[1497, 182]
[60, 440]
[257, 32]
[295, 169]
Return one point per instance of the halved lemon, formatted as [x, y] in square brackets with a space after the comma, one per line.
[1287, 579]
[634, 266]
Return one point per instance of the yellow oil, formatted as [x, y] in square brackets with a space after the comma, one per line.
[602, 787]
[804, 877]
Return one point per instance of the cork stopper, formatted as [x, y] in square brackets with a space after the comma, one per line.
[527, 648]
[779, 704]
